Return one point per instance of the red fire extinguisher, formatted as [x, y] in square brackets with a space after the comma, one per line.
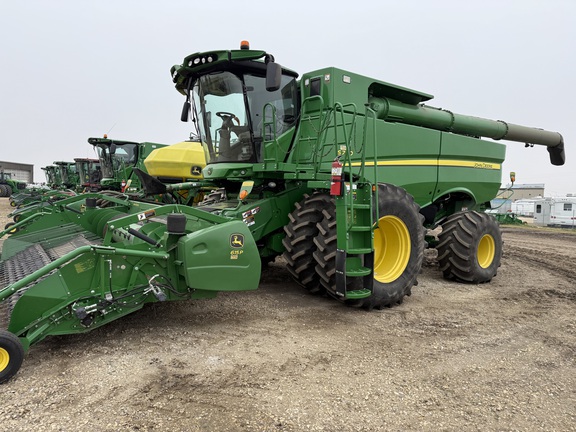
[123, 185]
[336, 180]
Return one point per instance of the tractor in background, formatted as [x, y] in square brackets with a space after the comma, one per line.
[9, 185]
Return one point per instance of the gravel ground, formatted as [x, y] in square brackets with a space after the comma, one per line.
[493, 357]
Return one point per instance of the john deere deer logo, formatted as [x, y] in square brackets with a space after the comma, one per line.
[237, 240]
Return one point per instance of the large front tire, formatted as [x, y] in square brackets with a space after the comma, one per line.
[11, 355]
[470, 247]
[399, 243]
[398, 249]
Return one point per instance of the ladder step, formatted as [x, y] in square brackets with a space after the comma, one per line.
[358, 272]
[360, 228]
[358, 294]
[361, 206]
[359, 251]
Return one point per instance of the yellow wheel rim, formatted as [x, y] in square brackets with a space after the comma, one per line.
[486, 251]
[391, 249]
[4, 359]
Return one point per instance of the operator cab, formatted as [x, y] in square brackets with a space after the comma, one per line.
[230, 108]
[114, 155]
[238, 101]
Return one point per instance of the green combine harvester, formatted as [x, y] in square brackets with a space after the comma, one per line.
[114, 173]
[79, 176]
[339, 173]
[118, 159]
[89, 174]
[53, 179]
[68, 174]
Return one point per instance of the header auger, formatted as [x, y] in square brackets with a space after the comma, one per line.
[339, 173]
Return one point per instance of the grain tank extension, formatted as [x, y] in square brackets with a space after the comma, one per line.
[339, 173]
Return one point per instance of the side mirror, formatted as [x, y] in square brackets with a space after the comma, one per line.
[273, 76]
[185, 111]
[112, 148]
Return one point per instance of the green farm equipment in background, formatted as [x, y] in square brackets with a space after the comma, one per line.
[112, 171]
[62, 181]
[9, 185]
[52, 174]
[28, 195]
[124, 163]
[508, 219]
[339, 173]
[118, 159]
[89, 174]
[68, 174]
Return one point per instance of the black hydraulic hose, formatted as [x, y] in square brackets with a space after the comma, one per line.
[144, 237]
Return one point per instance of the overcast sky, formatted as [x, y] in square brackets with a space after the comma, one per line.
[72, 69]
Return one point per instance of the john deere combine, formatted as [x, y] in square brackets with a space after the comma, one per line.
[118, 158]
[53, 180]
[89, 174]
[125, 165]
[338, 172]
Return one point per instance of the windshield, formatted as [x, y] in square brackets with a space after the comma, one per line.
[49, 175]
[120, 157]
[63, 174]
[82, 168]
[230, 112]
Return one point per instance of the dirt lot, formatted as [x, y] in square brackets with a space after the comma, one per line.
[494, 357]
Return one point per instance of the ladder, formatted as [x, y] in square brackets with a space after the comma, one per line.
[323, 134]
[355, 213]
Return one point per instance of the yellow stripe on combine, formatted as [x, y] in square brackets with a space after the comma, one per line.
[434, 162]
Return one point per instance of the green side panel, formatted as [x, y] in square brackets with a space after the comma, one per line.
[269, 214]
[37, 300]
[407, 157]
[470, 164]
[275, 151]
[223, 257]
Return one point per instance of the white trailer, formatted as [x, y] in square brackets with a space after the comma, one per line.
[524, 207]
[559, 211]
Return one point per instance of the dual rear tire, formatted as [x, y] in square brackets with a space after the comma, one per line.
[5, 190]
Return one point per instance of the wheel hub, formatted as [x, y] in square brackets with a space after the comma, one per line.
[391, 249]
[4, 359]
[486, 251]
